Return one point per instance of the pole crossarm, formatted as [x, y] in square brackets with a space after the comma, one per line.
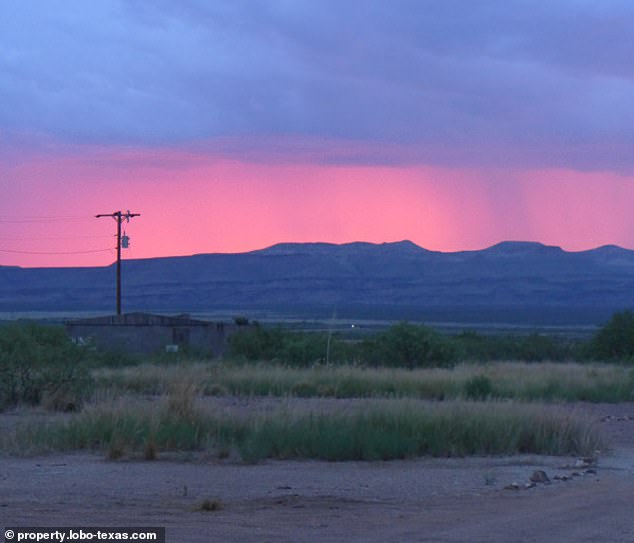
[119, 216]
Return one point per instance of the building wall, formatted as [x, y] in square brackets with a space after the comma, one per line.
[146, 339]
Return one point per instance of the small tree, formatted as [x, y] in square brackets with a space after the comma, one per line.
[257, 343]
[39, 364]
[615, 340]
[292, 348]
[410, 346]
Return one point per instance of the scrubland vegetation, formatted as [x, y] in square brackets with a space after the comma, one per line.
[403, 345]
[39, 365]
[523, 381]
[396, 429]
[428, 394]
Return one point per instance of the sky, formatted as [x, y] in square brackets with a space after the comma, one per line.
[232, 125]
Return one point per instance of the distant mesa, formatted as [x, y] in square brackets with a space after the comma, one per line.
[316, 248]
[522, 247]
[608, 250]
[399, 279]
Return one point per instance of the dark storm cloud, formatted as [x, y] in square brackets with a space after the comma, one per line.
[453, 82]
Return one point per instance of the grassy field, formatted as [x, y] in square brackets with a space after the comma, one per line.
[163, 404]
[396, 428]
[496, 380]
[496, 408]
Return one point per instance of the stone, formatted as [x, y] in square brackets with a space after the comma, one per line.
[583, 463]
[539, 476]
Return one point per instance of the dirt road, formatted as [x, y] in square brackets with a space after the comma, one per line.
[431, 500]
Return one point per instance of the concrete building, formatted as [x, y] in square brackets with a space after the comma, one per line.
[144, 333]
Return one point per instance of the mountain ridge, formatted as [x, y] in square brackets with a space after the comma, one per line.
[511, 275]
[508, 246]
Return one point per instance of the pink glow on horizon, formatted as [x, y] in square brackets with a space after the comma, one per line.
[192, 203]
[579, 211]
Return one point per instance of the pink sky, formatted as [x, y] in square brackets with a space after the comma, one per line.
[229, 128]
[196, 203]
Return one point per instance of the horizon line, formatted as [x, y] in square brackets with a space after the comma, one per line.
[507, 243]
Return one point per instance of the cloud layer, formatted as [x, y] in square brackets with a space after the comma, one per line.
[235, 124]
[482, 83]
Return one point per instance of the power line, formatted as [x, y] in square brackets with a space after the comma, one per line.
[43, 219]
[55, 253]
[50, 238]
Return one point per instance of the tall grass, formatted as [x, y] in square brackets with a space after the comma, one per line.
[127, 425]
[502, 380]
[396, 429]
[408, 430]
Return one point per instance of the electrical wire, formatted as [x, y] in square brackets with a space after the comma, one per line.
[50, 238]
[50, 219]
[44, 219]
[55, 253]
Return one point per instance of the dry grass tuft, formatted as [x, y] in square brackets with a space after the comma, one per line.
[209, 505]
[181, 399]
[116, 450]
[150, 449]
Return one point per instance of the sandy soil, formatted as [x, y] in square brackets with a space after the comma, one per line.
[431, 500]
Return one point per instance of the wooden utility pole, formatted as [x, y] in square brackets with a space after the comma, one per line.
[119, 217]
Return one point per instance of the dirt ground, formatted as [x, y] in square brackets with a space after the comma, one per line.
[430, 500]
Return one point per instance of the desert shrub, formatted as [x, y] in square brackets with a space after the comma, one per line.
[40, 365]
[539, 347]
[615, 340]
[402, 345]
[257, 343]
[210, 505]
[113, 359]
[302, 349]
[303, 389]
[478, 387]
[288, 347]
[409, 346]
[531, 348]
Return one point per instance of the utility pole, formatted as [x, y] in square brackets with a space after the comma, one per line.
[119, 217]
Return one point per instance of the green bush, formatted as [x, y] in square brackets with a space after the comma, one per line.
[40, 365]
[531, 348]
[615, 340]
[118, 359]
[539, 348]
[291, 348]
[257, 343]
[478, 387]
[402, 345]
[409, 346]
[302, 349]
